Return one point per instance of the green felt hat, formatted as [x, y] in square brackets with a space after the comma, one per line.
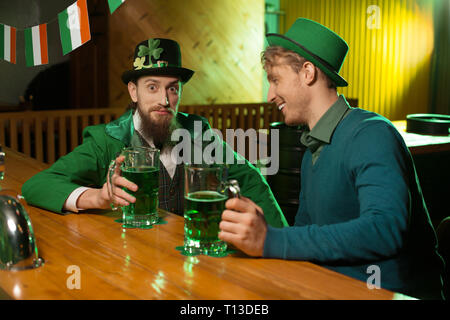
[160, 57]
[316, 43]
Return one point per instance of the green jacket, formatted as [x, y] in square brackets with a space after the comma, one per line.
[87, 165]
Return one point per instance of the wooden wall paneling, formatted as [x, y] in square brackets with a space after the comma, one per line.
[257, 118]
[35, 132]
[89, 65]
[223, 121]
[275, 114]
[96, 119]
[234, 114]
[220, 40]
[62, 129]
[207, 113]
[242, 111]
[42, 129]
[228, 121]
[440, 83]
[252, 117]
[266, 117]
[216, 118]
[84, 121]
[13, 134]
[388, 66]
[211, 119]
[227, 117]
[2, 132]
[73, 131]
[26, 143]
[39, 139]
[51, 134]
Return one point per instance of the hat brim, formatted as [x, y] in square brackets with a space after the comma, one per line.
[275, 39]
[183, 73]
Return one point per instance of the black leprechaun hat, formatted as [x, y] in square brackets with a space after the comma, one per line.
[157, 56]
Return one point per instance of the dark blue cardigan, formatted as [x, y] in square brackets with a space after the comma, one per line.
[361, 206]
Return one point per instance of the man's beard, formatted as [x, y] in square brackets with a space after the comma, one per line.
[159, 131]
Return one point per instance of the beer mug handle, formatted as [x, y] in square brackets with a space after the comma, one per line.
[111, 170]
[233, 187]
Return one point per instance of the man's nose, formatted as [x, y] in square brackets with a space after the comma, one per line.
[271, 94]
[164, 101]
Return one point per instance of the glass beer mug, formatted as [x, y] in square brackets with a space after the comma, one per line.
[141, 166]
[205, 194]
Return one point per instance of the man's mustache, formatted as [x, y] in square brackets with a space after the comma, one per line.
[166, 108]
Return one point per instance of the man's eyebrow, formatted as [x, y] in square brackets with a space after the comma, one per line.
[151, 80]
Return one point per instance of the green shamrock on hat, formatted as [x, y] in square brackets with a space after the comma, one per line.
[152, 51]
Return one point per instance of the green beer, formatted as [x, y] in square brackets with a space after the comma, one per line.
[144, 211]
[202, 214]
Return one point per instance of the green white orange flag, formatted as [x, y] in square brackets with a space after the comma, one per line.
[74, 26]
[8, 43]
[114, 4]
[36, 49]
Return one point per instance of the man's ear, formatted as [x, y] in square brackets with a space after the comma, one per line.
[132, 90]
[310, 73]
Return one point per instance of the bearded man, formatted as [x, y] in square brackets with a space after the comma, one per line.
[78, 180]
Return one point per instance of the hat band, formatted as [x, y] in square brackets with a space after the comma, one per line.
[139, 64]
[326, 64]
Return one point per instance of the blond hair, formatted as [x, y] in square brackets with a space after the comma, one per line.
[276, 55]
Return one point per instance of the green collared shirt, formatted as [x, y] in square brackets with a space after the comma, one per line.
[322, 132]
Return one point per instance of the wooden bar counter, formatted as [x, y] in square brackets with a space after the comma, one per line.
[419, 144]
[116, 263]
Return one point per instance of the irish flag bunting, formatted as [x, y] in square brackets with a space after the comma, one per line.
[8, 43]
[114, 4]
[74, 31]
[36, 50]
[74, 26]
